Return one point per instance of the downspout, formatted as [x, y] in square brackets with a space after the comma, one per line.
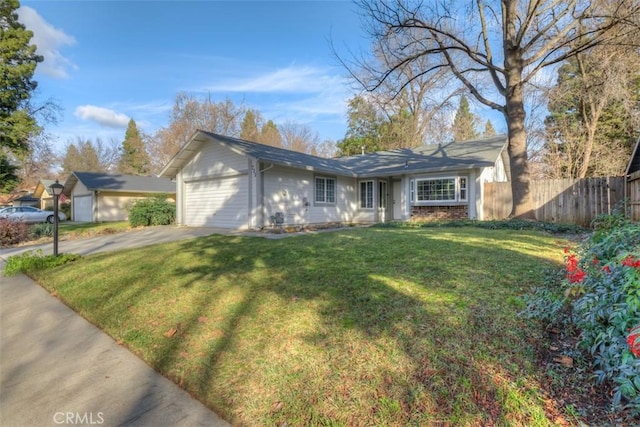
[262, 200]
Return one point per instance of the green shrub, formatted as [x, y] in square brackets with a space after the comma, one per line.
[41, 230]
[608, 306]
[152, 211]
[13, 232]
[601, 287]
[31, 261]
[65, 208]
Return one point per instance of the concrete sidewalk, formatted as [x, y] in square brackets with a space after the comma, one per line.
[58, 369]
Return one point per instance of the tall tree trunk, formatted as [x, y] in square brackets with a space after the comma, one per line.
[515, 116]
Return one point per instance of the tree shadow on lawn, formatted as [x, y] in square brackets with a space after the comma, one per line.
[357, 327]
[336, 328]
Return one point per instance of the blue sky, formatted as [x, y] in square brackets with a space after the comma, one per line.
[108, 61]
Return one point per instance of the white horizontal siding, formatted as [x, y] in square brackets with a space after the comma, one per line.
[221, 202]
[214, 159]
[285, 190]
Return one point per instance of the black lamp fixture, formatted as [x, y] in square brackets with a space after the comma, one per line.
[56, 190]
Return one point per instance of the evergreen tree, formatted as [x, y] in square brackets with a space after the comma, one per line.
[489, 130]
[134, 158]
[81, 157]
[270, 135]
[464, 124]
[249, 127]
[362, 129]
[8, 174]
[18, 61]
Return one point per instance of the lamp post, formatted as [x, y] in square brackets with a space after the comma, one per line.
[56, 190]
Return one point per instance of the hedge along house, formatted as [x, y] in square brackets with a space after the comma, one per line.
[101, 197]
[231, 183]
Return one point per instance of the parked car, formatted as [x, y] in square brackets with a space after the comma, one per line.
[29, 214]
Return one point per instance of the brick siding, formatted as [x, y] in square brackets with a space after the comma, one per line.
[427, 213]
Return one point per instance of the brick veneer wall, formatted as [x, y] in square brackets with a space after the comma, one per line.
[423, 213]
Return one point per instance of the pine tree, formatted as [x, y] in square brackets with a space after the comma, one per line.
[489, 130]
[249, 127]
[134, 158]
[18, 61]
[464, 124]
[270, 135]
[8, 174]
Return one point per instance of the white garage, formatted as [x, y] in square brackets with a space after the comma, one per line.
[102, 197]
[82, 208]
[217, 202]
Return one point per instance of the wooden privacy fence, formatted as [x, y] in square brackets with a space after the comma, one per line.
[576, 201]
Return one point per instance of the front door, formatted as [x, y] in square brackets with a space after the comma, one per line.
[397, 200]
[383, 195]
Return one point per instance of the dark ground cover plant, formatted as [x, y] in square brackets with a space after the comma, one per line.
[506, 224]
[599, 296]
[152, 211]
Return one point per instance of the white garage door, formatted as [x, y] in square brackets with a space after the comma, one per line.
[82, 208]
[221, 202]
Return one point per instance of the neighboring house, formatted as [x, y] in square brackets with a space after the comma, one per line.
[100, 197]
[632, 183]
[42, 193]
[26, 200]
[232, 183]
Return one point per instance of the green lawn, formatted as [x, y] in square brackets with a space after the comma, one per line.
[358, 327]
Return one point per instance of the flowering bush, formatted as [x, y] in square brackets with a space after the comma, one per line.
[601, 287]
[607, 308]
[634, 340]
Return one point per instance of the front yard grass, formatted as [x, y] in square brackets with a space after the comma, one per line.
[358, 327]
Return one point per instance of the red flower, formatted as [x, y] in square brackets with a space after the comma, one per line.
[567, 249]
[595, 261]
[572, 263]
[577, 276]
[606, 269]
[628, 261]
[634, 340]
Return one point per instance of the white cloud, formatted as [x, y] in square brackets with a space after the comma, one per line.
[103, 116]
[285, 80]
[49, 40]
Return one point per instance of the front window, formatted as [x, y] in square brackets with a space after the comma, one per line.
[447, 189]
[366, 194]
[325, 190]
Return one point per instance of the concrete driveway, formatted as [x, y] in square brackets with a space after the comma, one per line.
[125, 240]
[58, 369]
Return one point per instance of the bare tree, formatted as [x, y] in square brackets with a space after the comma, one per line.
[298, 137]
[36, 164]
[188, 115]
[494, 48]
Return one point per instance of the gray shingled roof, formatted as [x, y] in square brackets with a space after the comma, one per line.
[428, 158]
[97, 181]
